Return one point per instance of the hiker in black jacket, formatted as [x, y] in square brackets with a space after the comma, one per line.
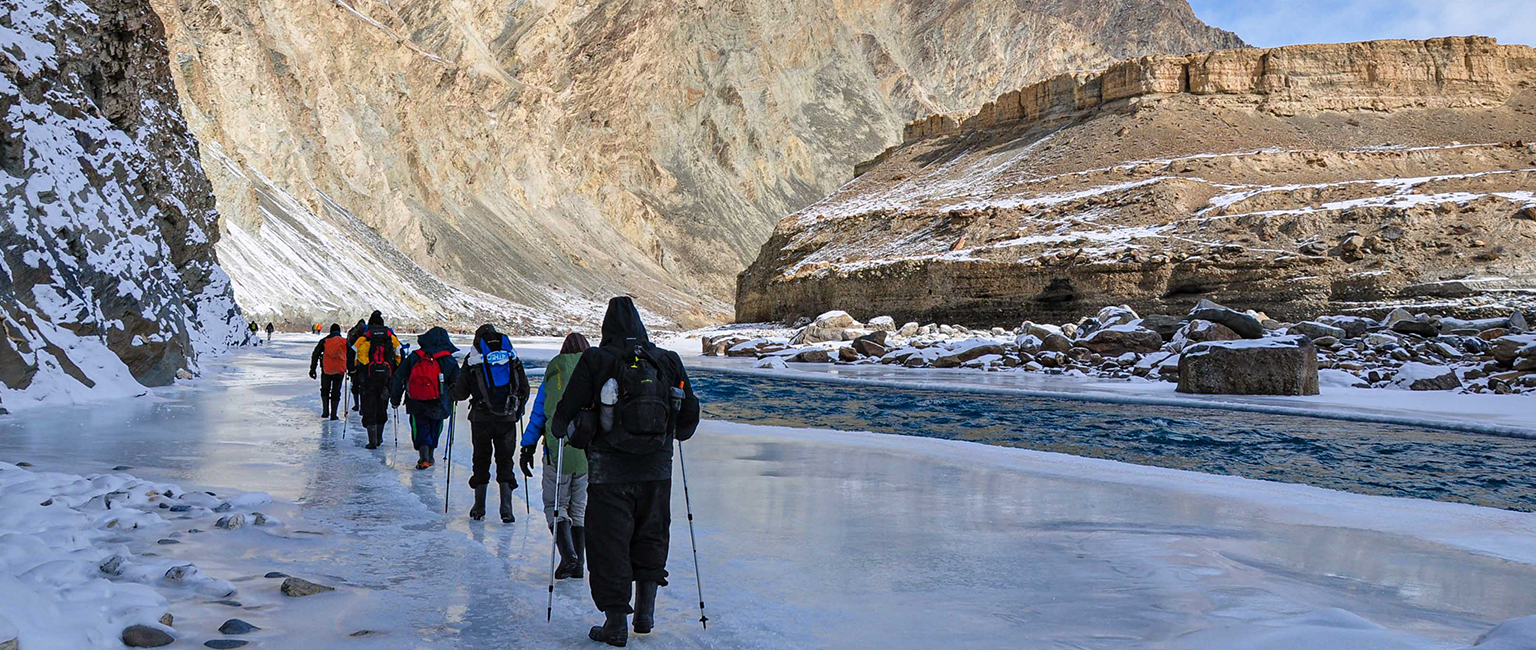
[497, 389]
[626, 401]
[424, 380]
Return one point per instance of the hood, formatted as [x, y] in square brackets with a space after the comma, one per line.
[435, 340]
[621, 325]
[335, 328]
[487, 332]
[376, 319]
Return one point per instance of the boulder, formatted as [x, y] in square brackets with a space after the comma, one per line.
[1354, 327]
[826, 327]
[1201, 331]
[1054, 342]
[1518, 323]
[1423, 376]
[1510, 349]
[770, 363]
[756, 347]
[1120, 315]
[1315, 330]
[811, 355]
[959, 352]
[909, 330]
[1415, 326]
[1245, 325]
[225, 644]
[1165, 326]
[872, 345]
[230, 522]
[1116, 340]
[1028, 343]
[1396, 315]
[882, 324]
[847, 354]
[144, 636]
[1285, 365]
[299, 588]
[236, 626]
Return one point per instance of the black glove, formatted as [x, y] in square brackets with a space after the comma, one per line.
[312, 374]
[525, 461]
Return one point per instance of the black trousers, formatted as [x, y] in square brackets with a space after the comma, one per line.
[330, 387]
[498, 441]
[375, 408]
[628, 534]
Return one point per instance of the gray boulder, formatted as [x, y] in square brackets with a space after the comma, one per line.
[1423, 376]
[1315, 330]
[1284, 365]
[1119, 339]
[144, 636]
[1415, 326]
[299, 588]
[1165, 326]
[1245, 325]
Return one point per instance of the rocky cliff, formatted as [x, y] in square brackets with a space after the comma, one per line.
[548, 152]
[108, 279]
[1297, 180]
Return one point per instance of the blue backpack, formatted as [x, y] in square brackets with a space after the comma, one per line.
[496, 375]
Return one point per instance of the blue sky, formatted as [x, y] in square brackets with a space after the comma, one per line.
[1268, 23]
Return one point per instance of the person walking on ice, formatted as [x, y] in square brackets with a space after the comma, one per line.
[570, 478]
[334, 358]
[494, 382]
[269, 331]
[641, 400]
[378, 354]
[423, 381]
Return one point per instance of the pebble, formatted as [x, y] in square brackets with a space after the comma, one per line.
[167, 542]
[223, 507]
[144, 636]
[275, 574]
[299, 587]
[227, 603]
[237, 626]
[121, 468]
[23, 464]
[225, 643]
[180, 507]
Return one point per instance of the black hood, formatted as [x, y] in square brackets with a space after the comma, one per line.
[621, 325]
[435, 340]
[376, 319]
[488, 333]
[335, 328]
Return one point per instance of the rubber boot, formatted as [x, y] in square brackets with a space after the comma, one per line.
[477, 511]
[614, 631]
[579, 543]
[335, 403]
[422, 460]
[373, 433]
[506, 503]
[563, 544]
[325, 408]
[645, 607]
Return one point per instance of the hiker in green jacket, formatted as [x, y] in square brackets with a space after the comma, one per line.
[570, 530]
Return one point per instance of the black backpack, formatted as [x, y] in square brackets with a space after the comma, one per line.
[644, 410]
[381, 355]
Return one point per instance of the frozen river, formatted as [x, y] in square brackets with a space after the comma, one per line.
[808, 538]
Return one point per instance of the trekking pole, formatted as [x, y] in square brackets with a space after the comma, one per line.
[397, 427]
[527, 481]
[692, 540]
[346, 413]
[449, 487]
[555, 544]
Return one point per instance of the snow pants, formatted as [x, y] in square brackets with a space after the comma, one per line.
[357, 392]
[330, 388]
[494, 441]
[628, 533]
[375, 406]
[573, 496]
[425, 431]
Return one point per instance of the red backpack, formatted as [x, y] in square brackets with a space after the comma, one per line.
[425, 383]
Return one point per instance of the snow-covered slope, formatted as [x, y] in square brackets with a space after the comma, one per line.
[108, 280]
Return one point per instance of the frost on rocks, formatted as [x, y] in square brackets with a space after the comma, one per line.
[107, 249]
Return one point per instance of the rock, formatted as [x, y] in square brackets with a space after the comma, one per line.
[225, 644]
[872, 345]
[811, 355]
[1165, 326]
[227, 603]
[299, 587]
[223, 507]
[847, 354]
[144, 636]
[1200, 331]
[909, 330]
[1422, 376]
[236, 626]
[1328, 342]
[1354, 327]
[959, 352]
[827, 327]
[258, 519]
[121, 468]
[1315, 330]
[882, 324]
[10, 644]
[1119, 315]
[1244, 325]
[230, 522]
[181, 574]
[180, 507]
[183, 374]
[1396, 315]
[167, 542]
[770, 363]
[1506, 350]
[1415, 326]
[756, 348]
[167, 620]
[275, 574]
[112, 566]
[1518, 323]
[1120, 339]
[1054, 342]
[1276, 366]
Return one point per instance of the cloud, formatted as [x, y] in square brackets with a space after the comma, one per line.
[1268, 23]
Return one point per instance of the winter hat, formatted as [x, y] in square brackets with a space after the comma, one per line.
[335, 328]
[574, 343]
[376, 319]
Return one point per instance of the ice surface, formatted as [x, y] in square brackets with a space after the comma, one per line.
[807, 538]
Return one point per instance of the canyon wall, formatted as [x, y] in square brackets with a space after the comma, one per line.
[1295, 180]
[533, 158]
[108, 277]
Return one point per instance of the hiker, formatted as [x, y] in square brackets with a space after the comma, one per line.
[269, 330]
[494, 382]
[334, 358]
[378, 355]
[356, 370]
[423, 380]
[636, 399]
[255, 337]
[571, 476]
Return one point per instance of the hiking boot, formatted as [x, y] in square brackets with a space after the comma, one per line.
[567, 568]
[375, 435]
[335, 403]
[477, 511]
[506, 503]
[614, 631]
[645, 607]
[579, 544]
[423, 461]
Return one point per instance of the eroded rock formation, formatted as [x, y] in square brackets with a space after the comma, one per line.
[108, 278]
[1297, 180]
[550, 152]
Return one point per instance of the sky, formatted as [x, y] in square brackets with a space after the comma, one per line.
[1269, 23]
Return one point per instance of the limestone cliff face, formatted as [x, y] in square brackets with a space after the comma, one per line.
[1293, 180]
[549, 152]
[108, 278]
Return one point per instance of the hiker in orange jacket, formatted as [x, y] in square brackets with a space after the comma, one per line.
[334, 357]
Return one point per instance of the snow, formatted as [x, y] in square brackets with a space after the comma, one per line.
[986, 546]
[1413, 371]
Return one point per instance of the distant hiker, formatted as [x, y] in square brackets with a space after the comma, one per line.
[356, 369]
[255, 337]
[423, 381]
[269, 330]
[334, 357]
[378, 355]
[494, 382]
[571, 477]
[641, 400]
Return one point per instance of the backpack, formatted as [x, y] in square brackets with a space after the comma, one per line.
[334, 360]
[425, 383]
[496, 377]
[381, 354]
[644, 409]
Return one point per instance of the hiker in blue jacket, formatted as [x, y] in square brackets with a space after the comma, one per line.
[494, 382]
[424, 381]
